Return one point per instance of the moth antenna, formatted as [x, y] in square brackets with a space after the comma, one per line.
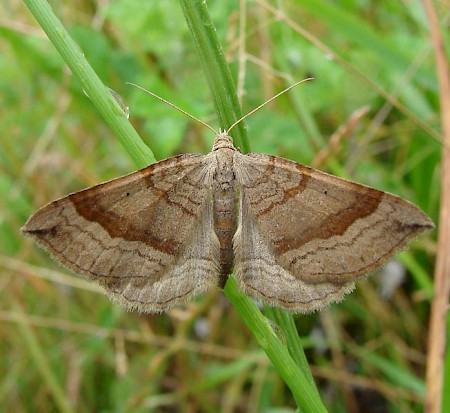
[173, 106]
[268, 101]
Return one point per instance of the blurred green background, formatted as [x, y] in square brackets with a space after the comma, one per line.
[62, 339]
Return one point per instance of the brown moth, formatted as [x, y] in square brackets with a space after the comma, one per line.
[294, 236]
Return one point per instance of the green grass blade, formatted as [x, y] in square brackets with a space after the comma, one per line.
[285, 321]
[218, 75]
[304, 393]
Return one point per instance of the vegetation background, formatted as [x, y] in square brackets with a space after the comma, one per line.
[371, 115]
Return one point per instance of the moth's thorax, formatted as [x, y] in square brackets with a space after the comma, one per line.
[223, 141]
[225, 192]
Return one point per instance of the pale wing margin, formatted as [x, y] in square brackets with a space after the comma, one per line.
[147, 237]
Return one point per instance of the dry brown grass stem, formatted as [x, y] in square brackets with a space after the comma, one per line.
[439, 307]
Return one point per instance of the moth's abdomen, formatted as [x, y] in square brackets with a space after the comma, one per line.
[225, 215]
[225, 225]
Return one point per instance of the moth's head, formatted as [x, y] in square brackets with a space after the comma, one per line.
[223, 140]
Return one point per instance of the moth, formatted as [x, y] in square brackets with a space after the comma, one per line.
[294, 237]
